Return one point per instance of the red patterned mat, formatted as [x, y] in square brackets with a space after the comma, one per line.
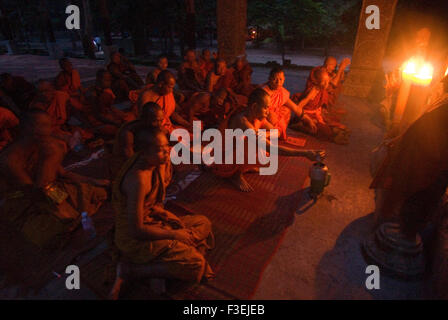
[248, 228]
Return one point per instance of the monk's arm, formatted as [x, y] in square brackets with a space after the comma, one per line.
[283, 150]
[176, 117]
[18, 173]
[209, 82]
[135, 188]
[291, 152]
[340, 74]
[128, 144]
[199, 101]
[77, 178]
[298, 109]
[50, 159]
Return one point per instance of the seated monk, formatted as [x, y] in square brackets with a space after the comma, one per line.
[281, 104]
[8, 124]
[189, 74]
[205, 63]
[68, 80]
[20, 91]
[162, 64]
[151, 116]
[336, 79]
[7, 103]
[124, 76]
[243, 77]
[254, 117]
[222, 78]
[58, 105]
[210, 108]
[104, 117]
[414, 175]
[41, 199]
[152, 241]
[162, 94]
[313, 102]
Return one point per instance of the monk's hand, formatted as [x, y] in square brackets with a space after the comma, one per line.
[310, 124]
[316, 155]
[185, 236]
[345, 62]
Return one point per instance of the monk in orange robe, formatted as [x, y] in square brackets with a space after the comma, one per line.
[20, 91]
[253, 117]
[162, 94]
[124, 76]
[205, 63]
[8, 124]
[210, 108]
[243, 77]
[162, 64]
[189, 74]
[40, 198]
[281, 105]
[313, 101]
[154, 242]
[104, 117]
[59, 107]
[68, 79]
[335, 85]
[151, 116]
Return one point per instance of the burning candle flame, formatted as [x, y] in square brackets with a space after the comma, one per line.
[446, 72]
[418, 72]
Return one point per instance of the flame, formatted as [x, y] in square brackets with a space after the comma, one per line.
[446, 72]
[410, 67]
[418, 72]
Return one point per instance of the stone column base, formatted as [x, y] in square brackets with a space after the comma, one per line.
[389, 250]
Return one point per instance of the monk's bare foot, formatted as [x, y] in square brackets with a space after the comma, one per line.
[241, 183]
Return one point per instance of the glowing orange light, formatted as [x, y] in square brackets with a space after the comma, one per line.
[446, 72]
[418, 72]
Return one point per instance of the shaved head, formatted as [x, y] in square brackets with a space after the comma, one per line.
[165, 76]
[257, 96]
[152, 115]
[154, 146]
[259, 101]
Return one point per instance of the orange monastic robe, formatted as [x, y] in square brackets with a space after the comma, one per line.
[166, 102]
[7, 121]
[279, 114]
[69, 83]
[228, 170]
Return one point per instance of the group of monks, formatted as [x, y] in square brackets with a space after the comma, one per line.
[43, 201]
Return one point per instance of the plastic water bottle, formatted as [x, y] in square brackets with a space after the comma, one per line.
[87, 225]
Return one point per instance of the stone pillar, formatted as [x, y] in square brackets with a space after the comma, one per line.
[369, 49]
[232, 29]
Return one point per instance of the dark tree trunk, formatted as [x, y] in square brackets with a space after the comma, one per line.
[105, 21]
[190, 25]
[138, 37]
[87, 40]
[5, 24]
